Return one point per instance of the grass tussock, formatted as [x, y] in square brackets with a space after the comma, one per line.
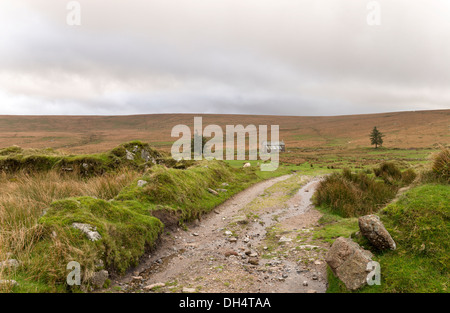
[441, 165]
[389, 172]
[130, 223]
[349, 194]
[408, 176]
[439, 170]
[354, 194]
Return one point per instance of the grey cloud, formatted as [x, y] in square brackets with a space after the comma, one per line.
[255, 57]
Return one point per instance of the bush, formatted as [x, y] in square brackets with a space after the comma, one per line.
[408, 176]
[349, 194]
[392, 175]
[441, 165]
[389, 172]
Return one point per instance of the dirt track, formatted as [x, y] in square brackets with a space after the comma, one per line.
[257, 241]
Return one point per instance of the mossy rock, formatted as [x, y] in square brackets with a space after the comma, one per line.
[125, 234]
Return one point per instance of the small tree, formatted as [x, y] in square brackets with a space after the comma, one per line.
[376, 137]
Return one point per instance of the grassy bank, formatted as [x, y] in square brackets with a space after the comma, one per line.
[419, 222]
[133, 154]
[24, 198]
[129, 207]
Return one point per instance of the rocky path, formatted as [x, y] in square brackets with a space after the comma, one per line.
[260, 240]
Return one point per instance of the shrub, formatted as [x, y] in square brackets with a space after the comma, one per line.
[349, 194]
[441, 165]
[392, 175]
[408, 176]
[389, 172]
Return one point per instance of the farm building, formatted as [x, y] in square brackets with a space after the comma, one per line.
[274, 146]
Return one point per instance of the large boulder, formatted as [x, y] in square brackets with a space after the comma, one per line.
[348, 261]
[373, 229]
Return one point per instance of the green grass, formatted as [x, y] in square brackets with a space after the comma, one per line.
[184, 193]
[419, 222]
[28, 284]
[283, 169]
[441, 165]
[129, 224]
[177, 192]
[118, 225]
[355, 158]
[129, 219]
[334, 226]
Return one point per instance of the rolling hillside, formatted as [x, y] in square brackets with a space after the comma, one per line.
[88, 134]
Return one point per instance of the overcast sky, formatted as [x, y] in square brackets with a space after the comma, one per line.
[287, 57]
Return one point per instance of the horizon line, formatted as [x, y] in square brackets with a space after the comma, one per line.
[200, 113]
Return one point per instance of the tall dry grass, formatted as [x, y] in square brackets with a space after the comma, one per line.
[439, 170]
[350, 195]
[24, 196]
[441, 164]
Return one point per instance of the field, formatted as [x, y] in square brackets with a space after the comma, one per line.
[304, 136]
[75, 169]
[337, 141]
